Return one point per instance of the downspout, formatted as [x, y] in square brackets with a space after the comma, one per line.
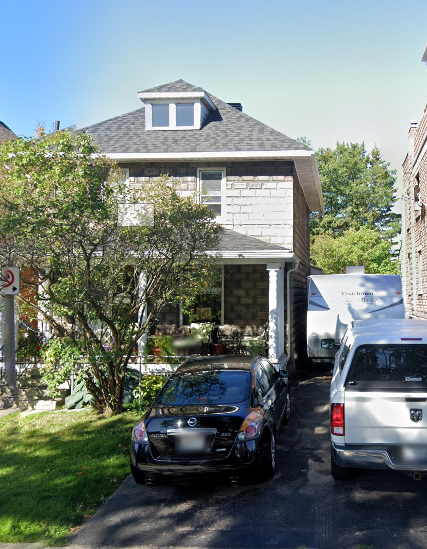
[288, 308]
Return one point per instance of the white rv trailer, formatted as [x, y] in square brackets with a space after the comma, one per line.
[335, 300]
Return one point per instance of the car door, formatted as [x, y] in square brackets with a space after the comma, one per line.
[280, 387]
[265, 386]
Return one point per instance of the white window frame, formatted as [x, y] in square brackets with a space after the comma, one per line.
[172, 115]
[220, 218]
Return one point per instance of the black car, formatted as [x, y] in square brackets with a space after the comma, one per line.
[215, 415]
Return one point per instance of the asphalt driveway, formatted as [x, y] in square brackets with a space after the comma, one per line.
[301, 507]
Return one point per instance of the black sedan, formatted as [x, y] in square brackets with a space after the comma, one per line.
[215, 415]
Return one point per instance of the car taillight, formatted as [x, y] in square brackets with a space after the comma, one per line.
[139, 434]
[337, 419]
[251, 426]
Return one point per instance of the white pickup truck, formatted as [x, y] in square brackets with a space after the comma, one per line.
[378, 398]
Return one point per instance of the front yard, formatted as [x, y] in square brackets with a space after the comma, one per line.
[56, 469]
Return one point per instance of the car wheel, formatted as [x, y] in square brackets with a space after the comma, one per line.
[287, 413]
[266, 462]
[338, 472]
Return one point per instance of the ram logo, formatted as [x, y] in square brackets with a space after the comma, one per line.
[416, 415]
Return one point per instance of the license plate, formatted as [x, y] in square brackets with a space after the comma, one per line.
[414, 454]
[191, 443]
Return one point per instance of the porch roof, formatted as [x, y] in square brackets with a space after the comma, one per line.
[239, 248]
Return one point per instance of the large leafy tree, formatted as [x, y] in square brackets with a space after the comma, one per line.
[363, 247]
[358, 190]
[89, 276]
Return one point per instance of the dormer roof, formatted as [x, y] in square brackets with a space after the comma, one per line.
[226, 134]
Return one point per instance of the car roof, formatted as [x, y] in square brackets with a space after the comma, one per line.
[405, 330]
[229, 362]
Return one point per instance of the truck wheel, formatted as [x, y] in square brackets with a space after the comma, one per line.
[338, 472]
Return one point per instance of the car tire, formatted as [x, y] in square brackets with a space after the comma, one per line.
[266, 462]
[338, 472]
[288, 408]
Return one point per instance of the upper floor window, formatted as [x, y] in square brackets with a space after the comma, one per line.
[160, 116]
[211, 190]
[185, 114]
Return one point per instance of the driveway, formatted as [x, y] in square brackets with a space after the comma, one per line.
[301, 507]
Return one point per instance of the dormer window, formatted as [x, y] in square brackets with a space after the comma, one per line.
[176, 110]
[160, 116]
[184, 114]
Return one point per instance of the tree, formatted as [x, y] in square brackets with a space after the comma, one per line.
[354, 247]
[91, 277]
[358, 190]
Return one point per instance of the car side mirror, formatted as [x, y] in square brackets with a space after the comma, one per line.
[283, 373]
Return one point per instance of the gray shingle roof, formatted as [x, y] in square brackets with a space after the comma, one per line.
[232, 241]
[5, 132]
[225, 129]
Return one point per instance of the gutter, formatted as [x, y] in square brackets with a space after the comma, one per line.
[288, 308]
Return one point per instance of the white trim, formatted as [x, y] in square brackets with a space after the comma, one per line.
[154, 96]
[214, 155]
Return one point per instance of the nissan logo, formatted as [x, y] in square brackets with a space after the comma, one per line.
[192, 421]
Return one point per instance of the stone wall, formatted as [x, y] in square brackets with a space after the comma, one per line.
[258, 199]
[414, 232]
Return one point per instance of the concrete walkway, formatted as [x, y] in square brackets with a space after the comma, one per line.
[6, 411]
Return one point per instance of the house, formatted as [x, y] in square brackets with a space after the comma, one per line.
[5, 132]
[261, 186]
[414, 204]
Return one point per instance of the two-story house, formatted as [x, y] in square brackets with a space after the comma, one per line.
[261, 186]
[414, 210]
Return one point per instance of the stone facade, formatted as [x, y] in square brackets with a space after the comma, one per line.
[414, 233]
[258, 199]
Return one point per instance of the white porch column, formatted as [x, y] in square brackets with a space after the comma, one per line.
[276, 313]
[142, 315]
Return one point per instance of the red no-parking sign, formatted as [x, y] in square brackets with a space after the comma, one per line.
[9, 283]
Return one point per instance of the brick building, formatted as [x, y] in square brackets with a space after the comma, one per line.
[414, 234]
[260, 184]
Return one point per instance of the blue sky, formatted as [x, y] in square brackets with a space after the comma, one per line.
[330, 71]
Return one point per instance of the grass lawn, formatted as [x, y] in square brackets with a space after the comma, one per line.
[56, 469]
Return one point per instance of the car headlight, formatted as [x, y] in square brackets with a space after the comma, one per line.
[251, 426]
[139, 433]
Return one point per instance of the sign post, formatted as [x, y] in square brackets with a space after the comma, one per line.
[9, 288]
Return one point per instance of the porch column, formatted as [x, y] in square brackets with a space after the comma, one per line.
[142, 315]
[276, 313]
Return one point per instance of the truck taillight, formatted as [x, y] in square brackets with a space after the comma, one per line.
[337, 419]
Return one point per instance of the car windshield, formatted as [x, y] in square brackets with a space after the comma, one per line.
[213, 387]
[389, 363]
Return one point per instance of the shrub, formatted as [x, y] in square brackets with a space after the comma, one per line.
[148, 388]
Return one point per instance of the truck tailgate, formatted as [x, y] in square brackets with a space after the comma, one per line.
[385, 417]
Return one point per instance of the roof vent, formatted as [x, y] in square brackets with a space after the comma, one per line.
[237, 106]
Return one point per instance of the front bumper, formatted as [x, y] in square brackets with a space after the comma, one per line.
[238, 463]
[380, 456]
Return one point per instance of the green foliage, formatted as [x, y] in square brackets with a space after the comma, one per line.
[59, 223]
[362, 247]
[162, 342]
[358, 190]
[61, 358]
[147, 390]
[80, 397]
[257, 348]
[56, 470]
